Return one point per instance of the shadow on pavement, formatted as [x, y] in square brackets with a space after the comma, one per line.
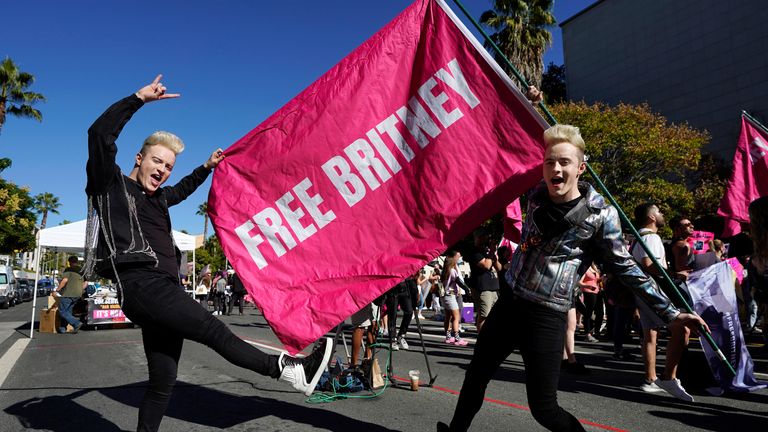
[217, 409]
[59, 413]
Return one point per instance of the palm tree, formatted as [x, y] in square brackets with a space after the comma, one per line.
[14, 97]
[45, 203]
[203, 211]
[521, 33]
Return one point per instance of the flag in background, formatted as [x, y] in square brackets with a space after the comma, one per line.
[749, 179]
[396, 153]
[714, 299]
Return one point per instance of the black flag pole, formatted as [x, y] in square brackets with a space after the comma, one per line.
[624, 219]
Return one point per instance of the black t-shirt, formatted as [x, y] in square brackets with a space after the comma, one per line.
[482, 278]
[153, 218]
[548, 215]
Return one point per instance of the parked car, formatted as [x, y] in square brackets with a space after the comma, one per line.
[24, 289]
[7, 287]
[44, 287]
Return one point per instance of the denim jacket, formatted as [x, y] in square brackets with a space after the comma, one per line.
[547, 270]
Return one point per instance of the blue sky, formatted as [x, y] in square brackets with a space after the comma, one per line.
[234, 62]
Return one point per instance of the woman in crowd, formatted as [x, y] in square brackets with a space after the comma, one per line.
[758, 265]
[451, 280]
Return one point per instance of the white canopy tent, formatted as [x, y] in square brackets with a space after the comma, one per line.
[70, 238]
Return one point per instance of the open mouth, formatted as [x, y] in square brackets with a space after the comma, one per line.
[157, 179]
[557, 181]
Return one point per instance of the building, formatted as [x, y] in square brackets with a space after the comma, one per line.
[695, 61]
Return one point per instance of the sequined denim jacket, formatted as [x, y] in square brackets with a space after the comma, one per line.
[547, 270]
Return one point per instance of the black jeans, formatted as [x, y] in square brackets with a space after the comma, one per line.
[405, 300]
[167, 316]
[539, 333]
[236, 297]
[593, 303]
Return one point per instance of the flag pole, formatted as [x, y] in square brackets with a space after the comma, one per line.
[624, 219]
[754, 121]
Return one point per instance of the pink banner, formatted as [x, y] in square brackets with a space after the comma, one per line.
[749, 180]
[397, 152]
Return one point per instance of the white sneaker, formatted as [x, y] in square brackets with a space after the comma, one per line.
[394, 347]
[673, 387]
[403, 343]
[650, 387]
[295, 370]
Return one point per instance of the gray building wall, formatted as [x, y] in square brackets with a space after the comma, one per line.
[694, 61]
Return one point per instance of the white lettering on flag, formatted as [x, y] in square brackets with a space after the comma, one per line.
[757, 150]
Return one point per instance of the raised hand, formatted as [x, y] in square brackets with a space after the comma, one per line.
[155, 91]
[215, 158]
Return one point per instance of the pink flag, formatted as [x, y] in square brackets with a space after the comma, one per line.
[749, 180]
[397, 152]
[513, 221]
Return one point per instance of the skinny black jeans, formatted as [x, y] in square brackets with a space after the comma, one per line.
[406, 301]
[593, 304]
[167, 316]
[539, 333]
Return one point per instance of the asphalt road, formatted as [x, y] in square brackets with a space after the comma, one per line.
[93, 381]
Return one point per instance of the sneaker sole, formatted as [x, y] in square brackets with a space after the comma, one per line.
[321, 369]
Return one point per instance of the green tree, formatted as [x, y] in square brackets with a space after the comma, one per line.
[17, 220]
[202, 210]
[643, 158]
[553, 84]
[210, 253]
[521, 31]
[15, 99]
[46, 203]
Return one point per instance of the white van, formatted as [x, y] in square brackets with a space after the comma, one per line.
[7, 287]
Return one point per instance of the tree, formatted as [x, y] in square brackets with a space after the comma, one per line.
[553, 84]
[521, 33]
[642, 158]
[202, 210]
[17, 221]
[14, 97]
[210, 253]
[45, 203]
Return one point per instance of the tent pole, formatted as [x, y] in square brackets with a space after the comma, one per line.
[34, 295]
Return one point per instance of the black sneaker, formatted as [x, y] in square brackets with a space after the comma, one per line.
[442, 427]
[304, 373]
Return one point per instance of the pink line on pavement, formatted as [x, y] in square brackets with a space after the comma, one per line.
[514, 405]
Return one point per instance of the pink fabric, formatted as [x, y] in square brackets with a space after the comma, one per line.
[749, 179]
[513, 221]
[349, 232]
[737, 267]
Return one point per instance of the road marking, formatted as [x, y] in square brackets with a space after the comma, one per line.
[10, 357]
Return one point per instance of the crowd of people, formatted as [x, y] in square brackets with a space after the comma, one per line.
[573, 263]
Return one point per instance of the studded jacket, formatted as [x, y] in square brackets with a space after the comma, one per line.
[546, 270]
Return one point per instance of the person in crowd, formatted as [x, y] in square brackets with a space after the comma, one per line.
[363, 324]
[220, 293]
[757, 271]
[570, 364]
[70, 289]
[238, 294]
[427, 278]
[451, 280]
[133, 246]
[621, 302]
[403, 294]
[649, 218]
[485, 266]
[203, 290]
[437, 297]
[568, 225]
[591, 290]
[682, 258]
